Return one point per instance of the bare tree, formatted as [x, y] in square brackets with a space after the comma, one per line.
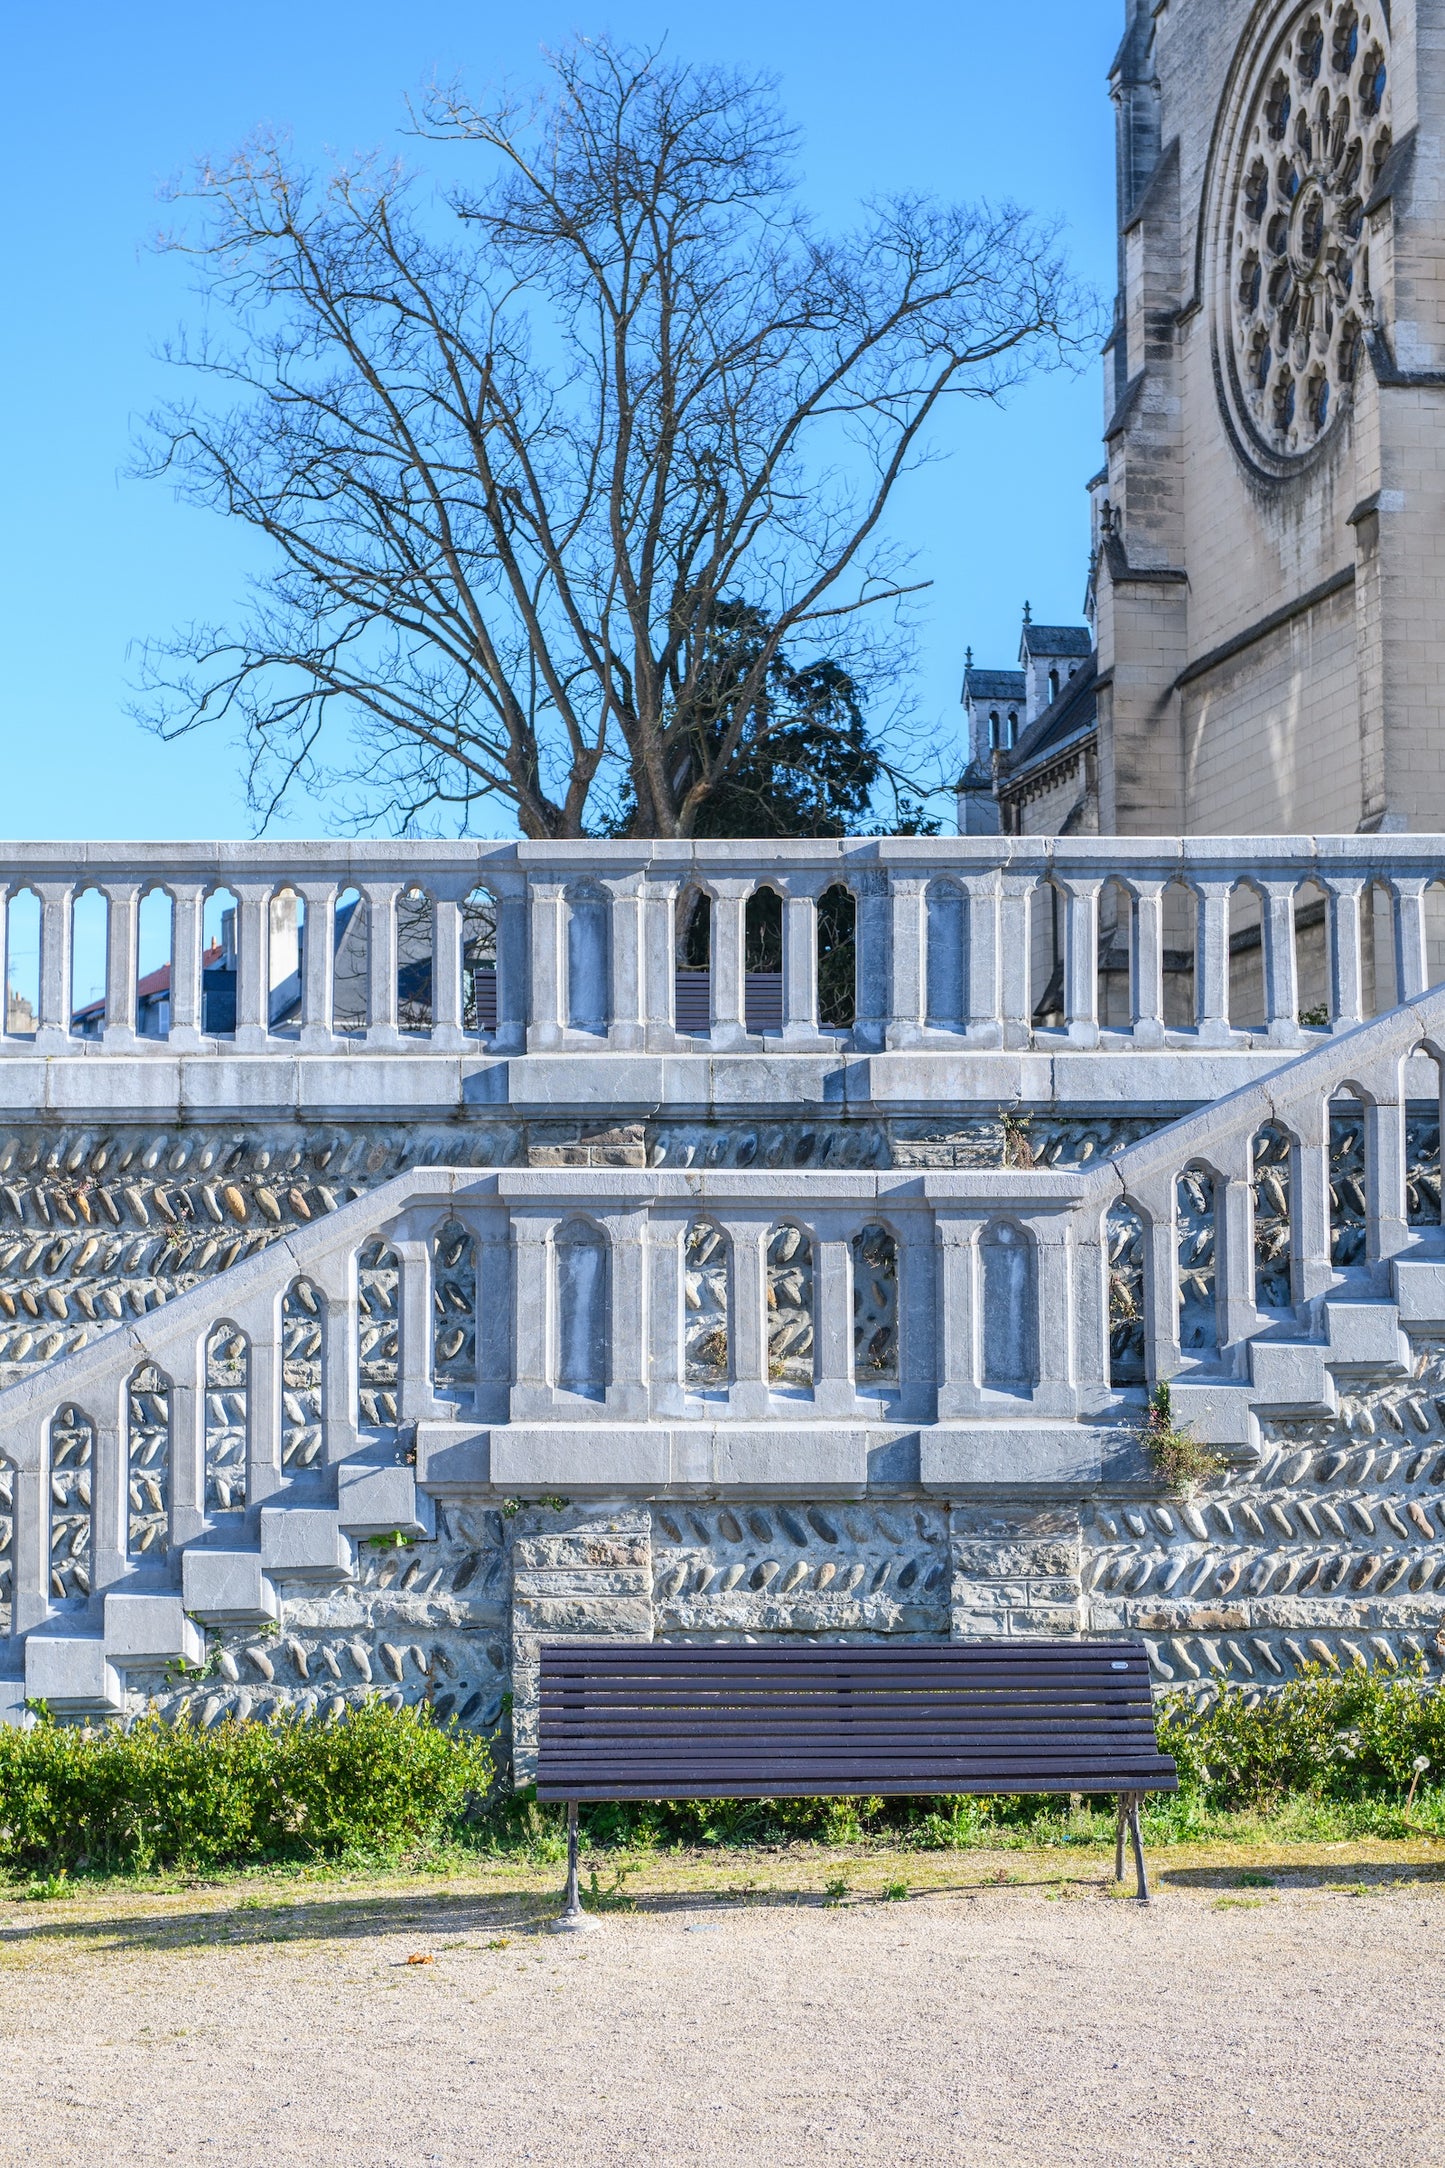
[517, 450]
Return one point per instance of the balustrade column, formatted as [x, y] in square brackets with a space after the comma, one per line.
[871, 971]
[318, 965]
[187, 908]
[253, 912]
[628, 1316]
[1412, 962]
[110, 1495]
[833, 1390]
[121, 950]
[1309, 1203]
[447, 1035]
[188, 1451]
[1089, 1266]
[908, 941]
[1054, 1392]
[533, 1328]
[1211, 962]
[414, 1325]
[1146, 976]
[727, 962]
[749, 1396]
[984, 1025]
[340, 1352]
[1081, 959]
[626, 1026]
[53, 1026]
[659, 964]
[1281, 976]
[30, 1535]
[1235, 1312]
[546, 903]
[667, 1306]
[381, 1028]
[1387, 1230]
[493, 1343]
[1016, 956]
[1347, 970]
[262, 1327]
[956, 1330]
[800, 968]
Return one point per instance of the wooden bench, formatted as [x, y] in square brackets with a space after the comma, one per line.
[648, 1720]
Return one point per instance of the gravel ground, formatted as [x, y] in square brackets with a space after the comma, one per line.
[1298, 2025]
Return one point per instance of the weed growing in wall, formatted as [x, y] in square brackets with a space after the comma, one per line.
[1175, 1454]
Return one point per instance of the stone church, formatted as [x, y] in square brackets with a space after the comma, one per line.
[457, 1258]
[1268, 524]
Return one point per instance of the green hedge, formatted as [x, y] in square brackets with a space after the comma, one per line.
[377, 1781]
[1358, 1736]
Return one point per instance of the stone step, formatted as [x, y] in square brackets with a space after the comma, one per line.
[379, 1500]
[147, 1630]
[227, 1588]
[305, 1543]
[72, 1674]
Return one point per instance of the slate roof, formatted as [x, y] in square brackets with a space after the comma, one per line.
[1057, 640]
[993, 684]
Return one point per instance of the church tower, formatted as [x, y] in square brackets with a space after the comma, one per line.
[1269, 524]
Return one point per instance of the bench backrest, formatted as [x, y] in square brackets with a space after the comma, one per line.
[647, 1720]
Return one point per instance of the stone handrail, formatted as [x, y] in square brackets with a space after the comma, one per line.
[580, 943]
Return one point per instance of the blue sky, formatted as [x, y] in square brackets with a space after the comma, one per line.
[105, 103]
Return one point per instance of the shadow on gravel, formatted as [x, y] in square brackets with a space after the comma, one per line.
[251, 1921]
[1371, 1874]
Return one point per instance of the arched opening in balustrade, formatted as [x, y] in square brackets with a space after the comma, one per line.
[837, 937]
[351, 966]
[303, 1375]
[1312, 955]
[589, 958]
[22, 964]
[583, 1308]
[1048, 907]
[706, 1294]
[1247, 1010]
[155, 923]
[1008, 1297]
[1180, 929]
[220, 932]
[692, 962]
[148, 1462]
[790, 1308]
[454, 1311]
[228, 1390]
[1124, 1245]
[415, 948]
[946, 931]
[1377, 943]
[875, 1307]
[1195, 1253]
[378, 1334]
[1272, 1159]
[1422, 1140]
[479, 963]
[763, 960]
[1349, 1195]
[1435, 933]
[7, 1544]
[285, 955]
[72, 1472]
[1115, 956]
[89, 956]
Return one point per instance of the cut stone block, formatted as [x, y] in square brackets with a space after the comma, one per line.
[1366, 1336]
[227, 1586]
[1291, 1375]
[1420, 1291]
[150, 1630]
[1218, 1413]
[373, 1501]
[72, 1674]
[304, 1543]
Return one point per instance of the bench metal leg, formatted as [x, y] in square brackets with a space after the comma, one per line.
[1142, 1891]
[572, 1919]
[1120, 1816]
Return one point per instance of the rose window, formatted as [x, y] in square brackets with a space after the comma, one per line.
[1314, 137]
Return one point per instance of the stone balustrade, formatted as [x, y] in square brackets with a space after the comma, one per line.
[868, 944]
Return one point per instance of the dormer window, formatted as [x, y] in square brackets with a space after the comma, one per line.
[995, 729]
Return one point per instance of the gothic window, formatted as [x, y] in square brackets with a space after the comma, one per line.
[228, 1376]
[790, 1309]
[995, 729]
[148, 1462]
[1310, 143]
[875, 1307]
[72, 1467]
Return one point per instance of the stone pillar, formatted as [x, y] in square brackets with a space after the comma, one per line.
[908, 980]
[263, 1403]
[549, 931]
[513, 977]
[1412, 963]
[318, 966]
[627, 1320]
[110, 1495]
[52, 1030]
[1211, 963]
[727, 962]
[1015, 956]
[626, 1027]
[872, 943]
[982, 890]
[381, 1028]
[187, 905]
[447, 1035]
[1347, 971]
[955, 1277]
[122, 935]
[253, 916]
[800, 968]
[414, 1394]
[1147, 973]
[832, 1324]
[30, 1536]
[749, 1397]
[1081, 959]
[1281, 976]
[580, 1575]
[188, 1452]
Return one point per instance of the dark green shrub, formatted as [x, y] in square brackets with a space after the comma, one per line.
[1353, 1737]
[379, 1780]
